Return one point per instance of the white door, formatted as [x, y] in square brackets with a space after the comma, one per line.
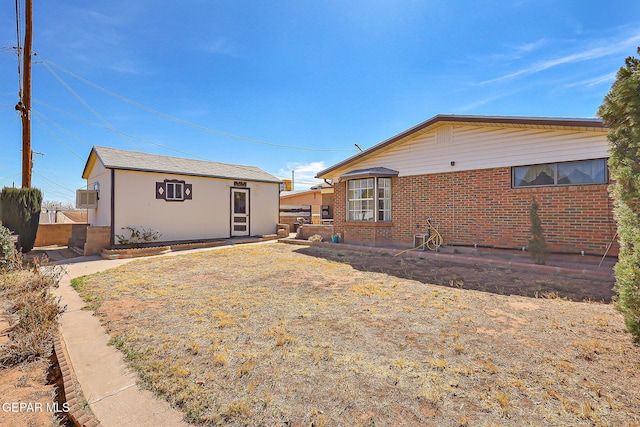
[239, 212]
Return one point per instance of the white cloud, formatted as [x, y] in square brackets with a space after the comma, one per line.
[304, 173]
[474, 105]
[602, 49]
[607, 78]
[530, 47]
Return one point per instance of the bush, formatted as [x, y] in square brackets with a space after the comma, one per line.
[20, 213]
[538, 244]
[138, 236]
[7, 249]
[33, 313]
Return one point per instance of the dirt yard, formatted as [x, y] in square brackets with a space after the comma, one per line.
[287, 335]
[27, 383]
[495, 280]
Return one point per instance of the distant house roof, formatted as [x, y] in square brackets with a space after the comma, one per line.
[534, 122]
[295, 192]
[321, 186]
[112, 158]
[315, 189]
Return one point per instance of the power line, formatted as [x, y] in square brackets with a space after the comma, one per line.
[53, 182]
[115, 131]
[56, 138]
[87, 105]
[47, 190]
[19, 51]
[51, 172]
[167, 116]
[10, 177]
[63, 129]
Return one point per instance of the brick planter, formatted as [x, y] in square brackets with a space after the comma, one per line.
[134, 252]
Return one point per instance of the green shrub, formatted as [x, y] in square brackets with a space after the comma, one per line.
[7, 249]
[620, 111]
[136, 237]
[20, 213]
[538, 244]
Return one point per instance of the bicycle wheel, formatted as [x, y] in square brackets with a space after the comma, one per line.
[434, 242]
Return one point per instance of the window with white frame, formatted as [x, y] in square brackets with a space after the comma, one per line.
[369, 199]
[564, 173]
[174, 191]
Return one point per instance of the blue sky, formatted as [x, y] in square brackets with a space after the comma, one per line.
[244, 81]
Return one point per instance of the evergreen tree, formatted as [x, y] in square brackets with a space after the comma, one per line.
[7, 250]
[538, 244]
[620, 111]
[20, 213]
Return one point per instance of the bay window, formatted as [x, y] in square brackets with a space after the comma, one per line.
[369, 199]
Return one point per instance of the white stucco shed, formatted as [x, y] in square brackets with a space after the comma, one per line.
[183, 199]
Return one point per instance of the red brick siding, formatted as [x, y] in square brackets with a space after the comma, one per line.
[480, 207]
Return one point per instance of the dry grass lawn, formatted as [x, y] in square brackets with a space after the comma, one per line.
[266, 335]
[28, 323]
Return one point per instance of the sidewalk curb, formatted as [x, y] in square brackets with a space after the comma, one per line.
[79, 417]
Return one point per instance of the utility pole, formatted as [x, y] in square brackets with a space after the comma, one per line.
[25, 96]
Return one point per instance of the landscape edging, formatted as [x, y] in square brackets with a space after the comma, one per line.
[78, 416]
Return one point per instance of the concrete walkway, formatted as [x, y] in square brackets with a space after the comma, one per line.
[109, 388]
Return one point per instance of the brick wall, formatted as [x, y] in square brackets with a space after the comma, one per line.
[480, 207]
[309, 230]
[53, 234]
[97, 238]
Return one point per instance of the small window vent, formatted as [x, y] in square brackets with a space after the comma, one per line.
[444, 134]
[86, 199]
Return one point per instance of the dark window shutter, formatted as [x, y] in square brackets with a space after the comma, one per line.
[160, 190]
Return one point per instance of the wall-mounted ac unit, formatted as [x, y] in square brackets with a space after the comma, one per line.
[86, 199]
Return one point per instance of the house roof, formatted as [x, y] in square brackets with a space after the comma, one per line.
[296, 192]
[510, 121]
[112, 158]
[318, 188]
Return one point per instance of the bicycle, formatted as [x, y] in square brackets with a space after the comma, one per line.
[433, 242]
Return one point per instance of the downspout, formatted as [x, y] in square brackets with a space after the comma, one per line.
[112, 238]
[453, 202]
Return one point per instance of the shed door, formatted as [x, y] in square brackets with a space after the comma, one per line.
[239, 212]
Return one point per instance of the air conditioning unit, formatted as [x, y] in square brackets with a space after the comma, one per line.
[86, 199]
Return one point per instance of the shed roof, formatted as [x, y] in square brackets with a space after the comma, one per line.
[112, 158]
[585, 124]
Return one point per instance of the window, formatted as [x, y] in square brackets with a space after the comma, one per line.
[384, 199]
[173, 190]
[566, 173]
[369, 199]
